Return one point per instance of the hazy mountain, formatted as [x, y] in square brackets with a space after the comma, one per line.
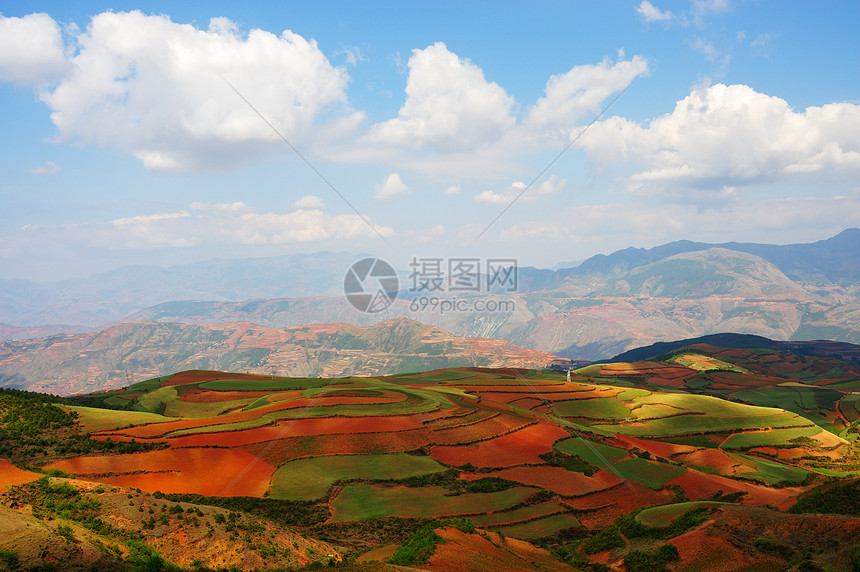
[118, 356]
[109, 296]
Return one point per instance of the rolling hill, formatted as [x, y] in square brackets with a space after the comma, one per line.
[453, 469]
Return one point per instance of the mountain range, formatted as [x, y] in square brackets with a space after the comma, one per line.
[600, 308]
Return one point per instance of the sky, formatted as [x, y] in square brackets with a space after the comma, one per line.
[167, 133]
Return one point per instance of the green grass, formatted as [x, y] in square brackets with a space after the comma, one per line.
[598, 408]
[595, 453]
[180, 408]
[362, 502]
[663, 516]
[310, 479]
[771, 473]
[94, 420]
[154, 400]
[267, 384]
[772, 437]
[652, 475]
[686, 424]
[539, 528]
[518, 514]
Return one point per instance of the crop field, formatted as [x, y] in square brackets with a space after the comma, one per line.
[540, 527]
[309, 479]
[361, 502]
[523, 453]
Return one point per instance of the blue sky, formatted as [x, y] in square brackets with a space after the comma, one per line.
[123, 141]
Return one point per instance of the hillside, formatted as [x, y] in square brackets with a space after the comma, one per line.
[118, 356]
[458, 468]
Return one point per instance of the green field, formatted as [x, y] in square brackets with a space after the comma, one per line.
[310, 479]
[94, 420]
[361, 502]
[154, 400]
[539, 528]
[268, 384]
[180, 408]
[770, 472]
[517, 515]
[652, 475]
[595, 453]
[773, 437]
[597, 408]
[686, 424]
[663, 516]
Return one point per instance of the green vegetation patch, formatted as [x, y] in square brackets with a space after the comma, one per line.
[652, 475]
[702, 362]
[156, 401]
[774, 437]
[276, 384]
[539, 528]
[597, 408]
[686, 424]
[95, 420]
[181, 408]
[361, 502]
[832, 499]
[518, 514]
[309, 479]
[594, 453]
[420, 546]
[770, 472]
[663, 516]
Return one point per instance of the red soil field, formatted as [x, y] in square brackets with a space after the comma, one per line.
[472, 552]
[555, 479]
[517, 448]
[12, 475]
[715, 460]
[656, 448]
[698, 486]
[199, 376]
[207, 396]
[702, 549]
[211, 472]
[616, 501]
[283, 450]
[482, 430]
[296, 428]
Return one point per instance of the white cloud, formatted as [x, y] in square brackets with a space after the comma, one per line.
[309, 202]
[31, 49]
[453, 189]
[571, 96]
[49, 168]
[731, 135]
[450, 106]
[392, 188]
[653, 14]
[761, 40]
[203, 225]
[154, 88]
[551, 186]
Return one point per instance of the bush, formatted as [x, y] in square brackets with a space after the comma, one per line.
[606, 539]
[10, 557]
[420, 546]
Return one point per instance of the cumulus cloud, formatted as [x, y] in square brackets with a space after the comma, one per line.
[552, 186]
[580, 92]
[731, 136]
[309, 202]
[450, 106]
[453, 189]
[651, 13]
[31, 49]
[156, 89]
[392, 188]
[49, 168]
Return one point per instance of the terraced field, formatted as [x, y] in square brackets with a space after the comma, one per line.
[523, 453]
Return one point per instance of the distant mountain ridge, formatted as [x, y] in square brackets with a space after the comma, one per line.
[123, 354]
